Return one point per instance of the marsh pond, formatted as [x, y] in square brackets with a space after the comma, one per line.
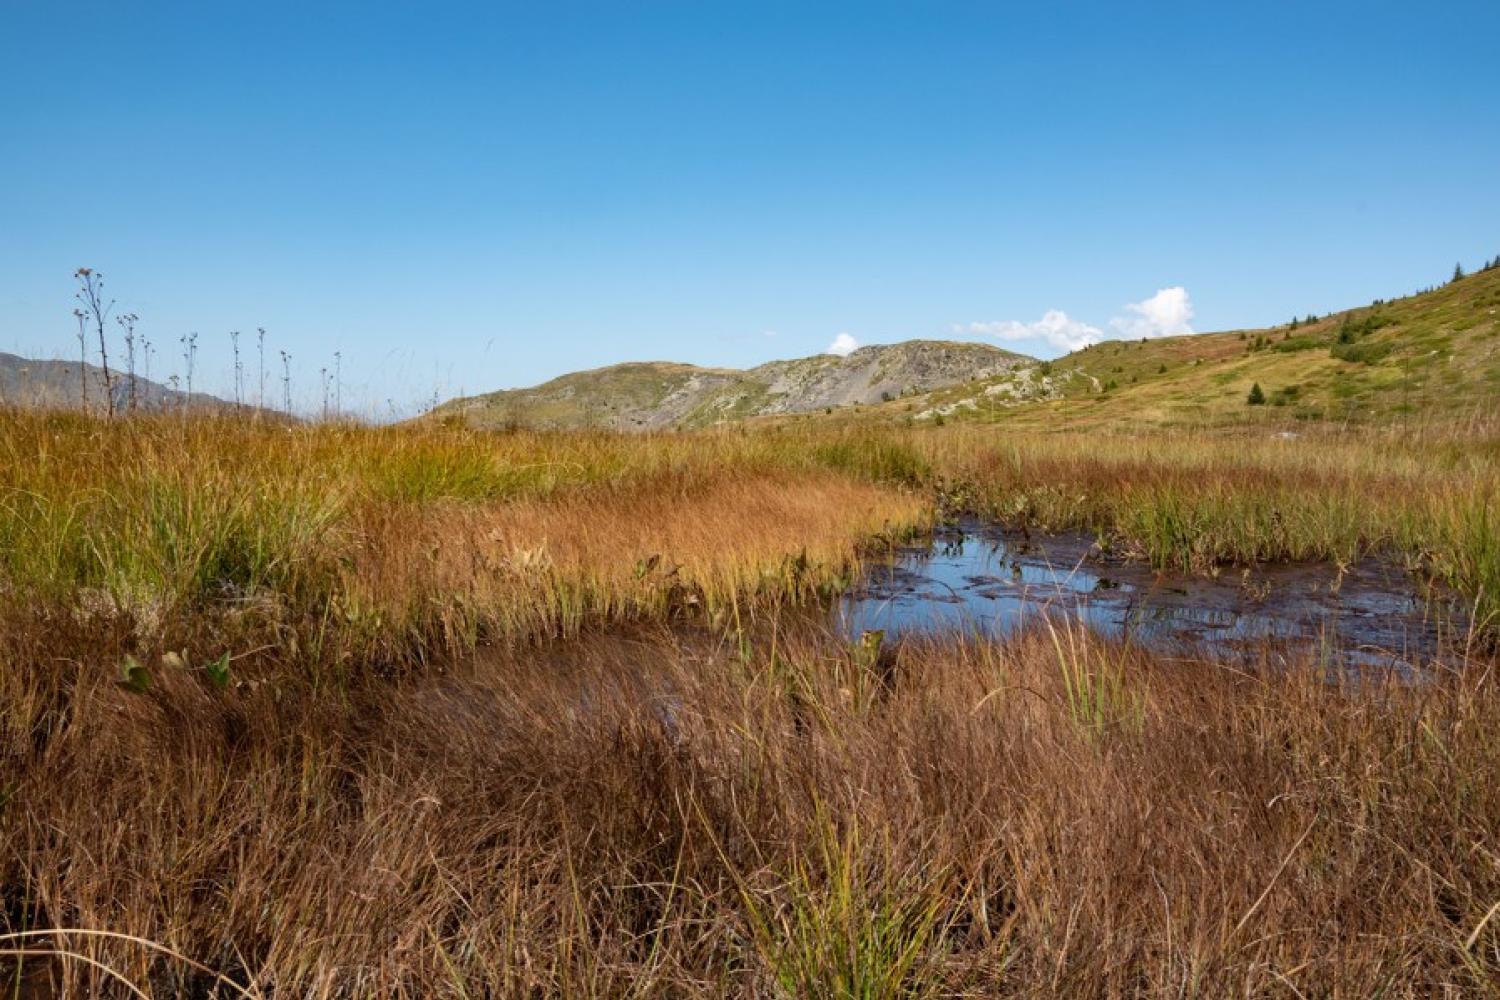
[976, 577]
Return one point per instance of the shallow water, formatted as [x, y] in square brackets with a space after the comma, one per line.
[977, 578]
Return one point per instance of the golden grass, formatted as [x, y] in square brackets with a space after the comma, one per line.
[345, 545]
[550, 567]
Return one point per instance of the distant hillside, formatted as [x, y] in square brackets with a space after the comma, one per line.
[1434, 353]
[658, 395]
[56, 384]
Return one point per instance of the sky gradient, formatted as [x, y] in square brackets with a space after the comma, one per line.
[471, 197]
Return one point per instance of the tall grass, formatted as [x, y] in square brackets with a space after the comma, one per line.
[167, 513]
[1095, 689]
[356, 543]
[837, 924]
[1199, 501]
[652, 814]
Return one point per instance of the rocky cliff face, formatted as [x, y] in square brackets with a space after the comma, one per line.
[660, 395]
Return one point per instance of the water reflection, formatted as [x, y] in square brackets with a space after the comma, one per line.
[976, 578]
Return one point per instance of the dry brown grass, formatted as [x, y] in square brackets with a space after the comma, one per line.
[665, 549]
[691, 815]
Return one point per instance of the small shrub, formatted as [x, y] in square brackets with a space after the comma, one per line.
[1257, 397]
[1367, 354]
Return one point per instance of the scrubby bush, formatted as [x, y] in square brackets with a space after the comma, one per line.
[1367, 354]
[1295, 344]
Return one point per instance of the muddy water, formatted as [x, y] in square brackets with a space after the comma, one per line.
[975, 577]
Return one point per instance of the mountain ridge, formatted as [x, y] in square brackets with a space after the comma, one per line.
[56, 384]
[1437, 350]
[659, 395]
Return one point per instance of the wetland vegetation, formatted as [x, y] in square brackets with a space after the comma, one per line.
[781, 501]
[325, 709]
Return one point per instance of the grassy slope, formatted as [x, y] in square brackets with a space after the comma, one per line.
[1436, 353]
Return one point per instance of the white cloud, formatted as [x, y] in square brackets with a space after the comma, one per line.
[1168, 313]
[843, 345]
[1055, 328]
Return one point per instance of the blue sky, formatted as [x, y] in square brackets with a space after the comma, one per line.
[469, 197]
